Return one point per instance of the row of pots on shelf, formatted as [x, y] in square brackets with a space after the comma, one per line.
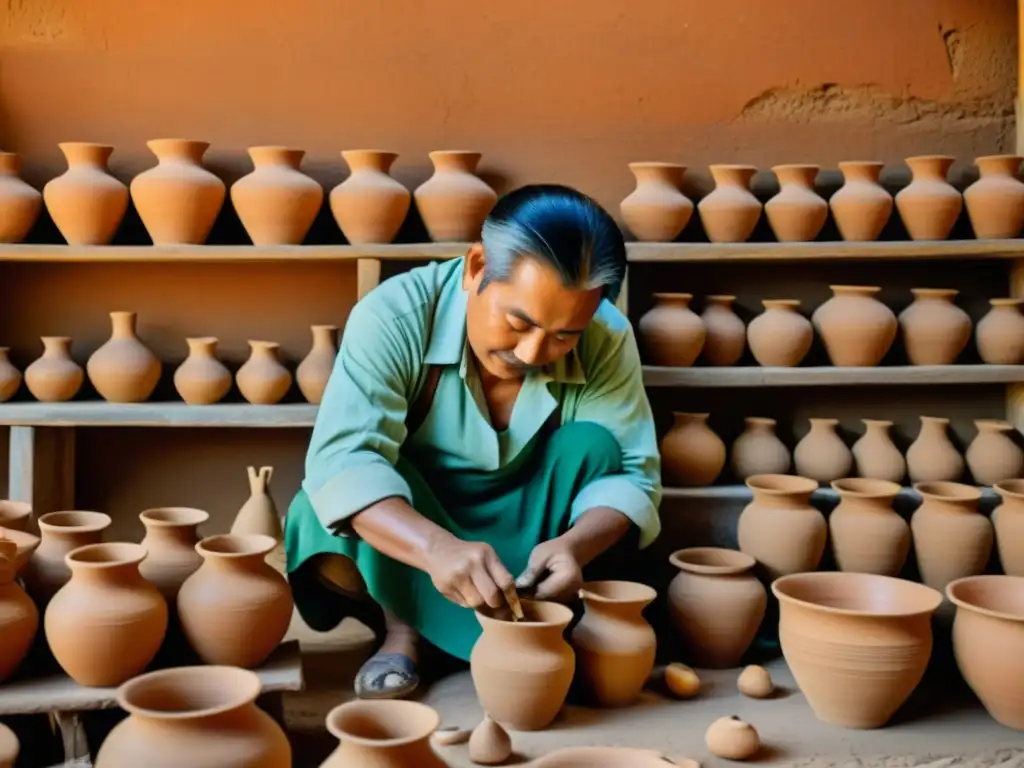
[856, 328]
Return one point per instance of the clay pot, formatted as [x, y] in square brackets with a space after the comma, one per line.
[935, 330]
[856, 328]
[993, 456]
[235, 609]
[876, 455]
[54, 377]
[730, 211]
[726, 337]
[202, 379]
[671, 332]
[14, 516]
[10, 748]
[19, 617]
[10, 377]
[952, 539]
[86, 202]
[932, 456]
[171, 540]
[315, 369]
[861, 207]
[123, 370]
[601, 757]
[797, 213]
[821, 454]
[60, 533]
[202, 717]
[20, 203]
[369, 205]
[868, 536]
[691, 453]
[759, 451]
[779, 528]
[1008, 522]
[614, 644]
[858, 644]
[716, 604]
[929, 205]
[780, 336]
[258, 515]
[454, 202]
[995, 202]
[178, 200]
[489, 743]
[276, 203]
[262, 379]
[999, 335]
[522, 670]
[25, 546]
[656, 211]
[383, 734]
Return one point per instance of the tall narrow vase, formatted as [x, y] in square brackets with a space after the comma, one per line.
[779, 528]
[656, 210]
[995, 202]
[454, 201]
[20, 203]
[731, 211]
[929, 205]
[54, 377]
[370, 206]
[383, 734]
[868, 536]
[797, 213]
[999, 335]
[862, 206]
[171, 540]
[10, 377]
[202, 379]
[932, 456]
[262, 379]
[671, 332]
[276, 203]
[935, 330]
[952, 539]
[856, 328]
[123, 370]
[315, 369]
[86, 202]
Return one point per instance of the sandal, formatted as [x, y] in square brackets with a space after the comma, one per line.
[386, 676]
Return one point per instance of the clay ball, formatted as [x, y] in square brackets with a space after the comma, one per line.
[489, 743]
[755, 682]
[448, 737]
[681, 680]
[733, 739]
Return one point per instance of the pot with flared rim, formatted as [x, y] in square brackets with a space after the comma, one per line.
[780, 527]
[383, 734]
[868, 536]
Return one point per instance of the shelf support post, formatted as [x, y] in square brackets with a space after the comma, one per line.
[41, 467]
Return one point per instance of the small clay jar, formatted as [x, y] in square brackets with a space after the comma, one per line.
[759, 451]
[383, 734]
[779, 528]
[952, 539]
[202, 379]
[276, 203]
[123, 370]
[993, 456]
[20, 203]
[60, 533]
[855, 327]
[54, 377]
[454, 201]
[797, 213]
[10, 377]
[1008, 522]
[657, 210]
[672, 333]
[726, 337]
[821, 454]
[171, 540]
[932, 456]
[730, 211]
[867, 535]
[861, 207]
[86, 202]
[315, 369]
[999, 335]
[935, 330]
[262, 379]
[780, 336]
[995, 202]
[370, 206]
[929, 205]
[19, 617]
[876, 455]
[691, 453]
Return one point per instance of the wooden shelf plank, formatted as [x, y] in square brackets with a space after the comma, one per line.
[103, 414]
[823, 376]
[742, 493]
[826, 251]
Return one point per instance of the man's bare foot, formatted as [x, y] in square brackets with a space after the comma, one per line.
[391, 672]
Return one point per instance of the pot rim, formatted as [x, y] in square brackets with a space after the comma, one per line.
[741, 561]
[848, 486]
[960, 601]
[244, 683]
[180, 516]
[623, 592]
[62, 521]
[789, 484]
[656, 164]
[780, 303]
[672, 296]
[995, 425]
[947, 490]
[105, 555]
[924, 607]
[564, 613]
[258, 544]
[430, 717]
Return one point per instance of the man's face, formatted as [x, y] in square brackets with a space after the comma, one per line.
[528, 322]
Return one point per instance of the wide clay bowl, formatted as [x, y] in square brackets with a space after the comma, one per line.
[988, 640]
[857, 643]
[602, 757]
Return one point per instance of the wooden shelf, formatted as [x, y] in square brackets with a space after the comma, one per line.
[827, 251]
[103, 414]
[742, 493]
[825, 376]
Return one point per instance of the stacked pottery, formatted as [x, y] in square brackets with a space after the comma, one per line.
[691, 453]
[929, 205]
[19, 617]
[779, 528]
[935, 330]
[454, 202]
[797, 213]
[780, 336]
[370, 206]
[867, 535]
[54, 377]
[60, 533]
[876, 455]
[862, 206]
[20, 203]
[383, 734]
[276, 203]
[821, 454]
[86, 202]
[759, 451]
[1008, 522]
[999, 335]
[315, 369]
[952, 539]
[856, 328]
[656, 211]
[123, 370]
[726, 337]
[932, 456]
[202, 379]
[731, 211]
[170, 542]
[10, 377]
[258, 515]
[262, 379]
[993, 456]
[672, 333]
[995, 202]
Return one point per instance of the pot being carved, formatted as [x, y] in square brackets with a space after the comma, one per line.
[123, 370]
[672, 333]
[862, 206]
[276, 203]
[952, 539]
[929, 205]
[856, 328]
[60, 533]
[999, 335]
[780, 336]
[779, 528]
[54, 377]
[935, 330]
[797, 213]
[657, 210]
[993, 456]
[730, 211]
[821, 454]
[867, 535]
[86, 202]
[1008, 522]
[383, 734]
[370, 206]
[171, 540]
[454, 201]
[932, 456]
[876, 455]
[995, 202]
[691, 453]
[726, 337]
[759, 451]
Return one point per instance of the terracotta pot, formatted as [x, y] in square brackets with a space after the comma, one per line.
[370, 206]
[952, 539]
[19, 617]
[614, 644]
[759, 451]
[856, 328]
[14, 515]
[123, 370]
[861, 207]
[315, 369]
[999, 335]
[522, 670]
[671, 332]
[1008, 522]
[929, 205]
[821, 454]
[178, 200]
[202, 379]
[235, 609]
[601, 757]
[54, 377]
[171, 540]
[691, 453]
[86, 202]
[10, 748]
[716, 604]
[995, 202]
[202, 717]
[276, 203]
[383, 734]
[797, 213]
[779, 528]
[875, 454]
[867, 535]
[935, 330]
[60, 533]
[20, 203]
[726, 337]
[262, 379]
[780, 336]
[857, 644]
[932, 456]
[259, 515]
[10, 377]
[454, 202]
[993, 456]
[656, 211]
[730, 212]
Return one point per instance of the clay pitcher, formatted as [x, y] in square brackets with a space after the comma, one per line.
[797, 213]
[779, 528]
[821, 454]
[615, 646]
[202, 379]
[868, 536]
[86, 202]
[383, 734]
[54, 377]
[995, 202]
[671, 332]
[262, 379]
[862, 206]
[932, 456]
[171, 540]
[657, 210]
[726, 337]
[780, 336]
[876, 455]
[522, 670]
[716, 604]
[993, 456]
[19, 617]
[935, 330]
[315, 369]
[20, 203]
[952, 539]
[929, 205]
[276, 203]
[1008, 522]
[60, 533]
[259, 514]
[730, 211]
[759, 451]
[691, 453]
[856, 328]
[999, 335]
[370, 206]
[123, 370]
[454, 201]
[10, 377]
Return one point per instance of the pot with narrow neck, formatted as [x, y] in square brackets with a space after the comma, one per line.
[730, 211]
[19, 617]
[671, 332]
[383, 734]
[821, 454]
[867, 535]
[797, 213]
[202, 379]
[875, 454]
[370, 206]
[780, 336]
[779, 528]
[726, 338]
[276, 203]
[1008, 522]
[929, 205]
[171, 540]
[935, 330]
[993, 456]
[995, 202]
[691, 453]
[315, 369]
[932, 456]
[123, 370]
[86, 202]
[999, 335]
[59, 534]
[54, 377]
[862, 206]
[454, 201]
[856, 328]
[656, 210]
[262, 379]
[759, 451]
[952, 539]
[20, 203]
[259, 515]
[10, 377]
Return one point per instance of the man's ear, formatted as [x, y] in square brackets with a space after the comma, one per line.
[473, 268]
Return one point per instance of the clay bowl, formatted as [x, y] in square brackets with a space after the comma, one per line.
[602, 757]
[14, 515]
[857, 643]
[988, 641]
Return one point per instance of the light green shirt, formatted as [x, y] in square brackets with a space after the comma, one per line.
[418, 319]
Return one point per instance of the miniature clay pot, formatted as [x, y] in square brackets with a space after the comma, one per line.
[867, 535]
[995, 202]
[726, 337]
[716, 604]
[671, 332]
[780, 336]
[855, 327]
[315, 369]
[935, 330]
[999, 335]
[861, 207]
[759, 451]
[54, 377]
[370, 206]
[19, 617]
[276, 203]
[14, 516]
[875, 454]
[821, 454]
[993, 456]
[489, 743]
[779, 528]
[123, 370]
[797, 213]
[454, 201]
[952, 539]
[730, 211]
[929, 205]
[932, 456]
[86, 202]
[20, 203]
[171, 540]
[733, 739]
[691, 453]
[262, 379]
[259, 515]
[383, 734]
[601, 757]
[59, 534]
[657, 210]
[10, 377]
[202, 379]
[858, 644]
[1008, 522]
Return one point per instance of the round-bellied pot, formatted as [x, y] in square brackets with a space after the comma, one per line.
[876, 455]
[20, 203]
[277, 203]
[657, 210]
[383, 734]
[19, 617]
[932, 456]
[868, 536]
[995, 202]
[124, 370]
[821, 454]
[370, 206]
[929, 205]
[691, 453]
[862, 206]
[797, 213]
[935, 330]
[993, 456]
[780, 336]
[779, 528]
[726, 338]
[759, 451]
[855, 327]
[54, 377]
[86, 202]
[999, 335]
[671, 332]
[730, 211]
[60, 533]
[952, 539]
[454, 201]
[1008, 522]
[171, 540]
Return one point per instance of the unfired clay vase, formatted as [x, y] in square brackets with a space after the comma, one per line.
[522, 670]
[614, 644]
[60, 533]
[602, 757]
[716, 604]
[276, 203]
[370, 206]
[262, 379]
[995, 202]
[867, 535]
[821, 454]
[1008, 521]
[235, 609]
[932, 456]
[202, 379]
[999, 335]
[726, 334]
[657, 210]
[10, 747]
[259, 514]
[178, 200]
[10, 377]
[54, 377]
[671, 332]
[691, 453]
[107, 623]
[856, 328]
[171, 540]
[952, 539]
[875, 454]
[454, 201]
[86, 202]
[759, 451]
[929, 205]
[858, 644]
[780, 336]
[862, 206]
[993, 456]
[315, 369]
[935, 330]
[19, 617]
[730, 211]
[20, 203]
[202, 717]
[383, 734]
[779, 528]
[14, 515]
[797, 213]
[123, 370]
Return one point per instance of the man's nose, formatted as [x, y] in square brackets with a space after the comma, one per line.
[531, 349]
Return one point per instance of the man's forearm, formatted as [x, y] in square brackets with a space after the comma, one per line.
[395, 529]
[596, 531]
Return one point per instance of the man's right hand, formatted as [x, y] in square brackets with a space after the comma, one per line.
[469, 573]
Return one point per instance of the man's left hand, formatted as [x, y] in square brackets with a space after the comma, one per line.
[553, 572]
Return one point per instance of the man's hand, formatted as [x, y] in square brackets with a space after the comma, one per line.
[469, 573]
[553, 572]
